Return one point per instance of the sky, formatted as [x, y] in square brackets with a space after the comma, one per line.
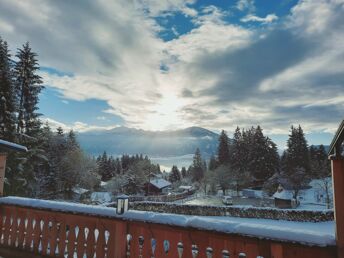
[168, 64]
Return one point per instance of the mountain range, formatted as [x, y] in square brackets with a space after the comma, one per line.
[124, 140]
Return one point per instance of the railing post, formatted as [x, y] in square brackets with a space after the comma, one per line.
[3, 157]
[121, 239]
[337, 164]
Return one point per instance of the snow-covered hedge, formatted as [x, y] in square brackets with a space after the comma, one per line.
[243, 212]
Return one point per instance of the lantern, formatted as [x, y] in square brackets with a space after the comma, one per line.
[122, 204]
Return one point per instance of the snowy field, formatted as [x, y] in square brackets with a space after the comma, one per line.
[306, 204]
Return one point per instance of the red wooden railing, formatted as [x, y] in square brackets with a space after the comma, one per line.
[64, 234]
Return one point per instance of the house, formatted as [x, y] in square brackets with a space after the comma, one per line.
[157, 186]
[284, 198]
[186, 188]
[102, 197]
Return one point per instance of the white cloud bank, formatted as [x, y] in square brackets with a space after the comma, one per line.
[219, 75]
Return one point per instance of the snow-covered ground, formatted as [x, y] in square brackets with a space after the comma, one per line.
[321, 233]
[313, 198]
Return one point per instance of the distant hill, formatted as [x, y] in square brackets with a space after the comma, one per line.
[122, 140]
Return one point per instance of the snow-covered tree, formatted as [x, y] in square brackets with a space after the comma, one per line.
[197, 169]
[174, 175]
[223, 149]
[295, 163]
[28, 86]
[7, 95]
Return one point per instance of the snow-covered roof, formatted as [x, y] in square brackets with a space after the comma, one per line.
[160, 183]
[185, 187]
[102, 183]
[79, 190]
[101, 197]
[5, 145]
[284, 195]
[309, 233]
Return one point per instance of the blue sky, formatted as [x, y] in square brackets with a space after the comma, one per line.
[167, 64]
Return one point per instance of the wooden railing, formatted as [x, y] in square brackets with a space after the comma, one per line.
[67, 234]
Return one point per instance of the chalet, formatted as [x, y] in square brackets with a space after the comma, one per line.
[284, 198]
[157, 186]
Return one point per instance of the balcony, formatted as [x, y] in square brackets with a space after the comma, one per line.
[60, 229]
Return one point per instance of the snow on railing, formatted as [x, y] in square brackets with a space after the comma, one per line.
[59, 228]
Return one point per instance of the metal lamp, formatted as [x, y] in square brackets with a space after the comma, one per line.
[122, 204]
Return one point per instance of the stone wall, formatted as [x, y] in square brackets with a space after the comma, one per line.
[243, 212]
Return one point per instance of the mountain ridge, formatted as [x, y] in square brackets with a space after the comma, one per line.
[126, 140]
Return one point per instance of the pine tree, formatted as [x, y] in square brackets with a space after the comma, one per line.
[72, 141]
[297, 151]
[174, 175]
[198, 166]
[7, 95]
[296, 167]
[104, 167]
[223, 149]
[263, 157]
[239, 153]
[183, 172]
[28, 86]
[212, 163]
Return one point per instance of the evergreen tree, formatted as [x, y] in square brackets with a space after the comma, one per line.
[72, 141]
[296, 167]
[59, 131]
[183, 172]
[239, 153]
[28, 85]
[212, 163]
[197, 167]
[297, 151]
[174, 175]
[104, 168]
[263, 157]
[7, 95]
[223, 149]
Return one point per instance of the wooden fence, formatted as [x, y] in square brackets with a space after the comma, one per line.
[67, 234]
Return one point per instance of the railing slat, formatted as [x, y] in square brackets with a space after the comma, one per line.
[71, 240]
[7, 227]
[37, 233]
[21, 228]
[61, 234]
[14, 226]
[100, 252]
[45, 236]
[29, 231]
[90, 240]
[80, 248]
[53, 237]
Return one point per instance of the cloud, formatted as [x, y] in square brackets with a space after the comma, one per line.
[243, 5]
[76, 126]
[252, 18]
[218, 75]
[165, 7]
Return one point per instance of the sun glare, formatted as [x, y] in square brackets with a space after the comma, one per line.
[165, 115]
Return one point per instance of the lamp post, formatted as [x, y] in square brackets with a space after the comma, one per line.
[122, 204]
